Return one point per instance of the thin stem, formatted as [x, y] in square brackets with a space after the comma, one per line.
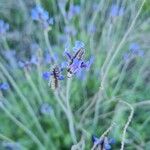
[120, 44]
[70, 115]
[24, 100]
[18, 123]
[127, 124]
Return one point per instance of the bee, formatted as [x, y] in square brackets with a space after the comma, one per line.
[55, 77]
[78, 56]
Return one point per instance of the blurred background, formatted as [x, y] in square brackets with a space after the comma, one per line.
[110, 98]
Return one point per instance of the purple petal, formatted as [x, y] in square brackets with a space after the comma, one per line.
[111, 140]
[61, 77]
[45, 109]
[78, 45]
[4, 86]
[46, 75]
[107, 147]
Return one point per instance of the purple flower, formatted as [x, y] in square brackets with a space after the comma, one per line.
[136, 50]
[76, 62]
[46, 75]
[104, 142]
[4, 86]
[73, 11]
[9, 54]
[4, 27]
[39, 14]
[24, 64]
[126, 56]
[11, 145]
[45, 109]
[48, 58]
[34, 46]
[134, 46]
[74, 67]
[116, 11]
[34, 60]
[78, 45]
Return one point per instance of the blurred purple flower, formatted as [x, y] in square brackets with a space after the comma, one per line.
[34, 46]
[4, 86]
[47, 58]
[116, 11]
[4, 27]
[11, 145]
[134, 50]
[70, 30]
[45, 109]
[126, 56]
[46, 75]
[104, 142]
[34, 60]
[39, 14]
[73, 11]
[78, 45]
[24, 64]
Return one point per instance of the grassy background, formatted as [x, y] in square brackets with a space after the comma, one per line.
[113, 86]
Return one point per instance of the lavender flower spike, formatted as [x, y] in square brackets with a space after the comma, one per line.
[76, 62]
[39, 14]
[4, 27]
[103, 142]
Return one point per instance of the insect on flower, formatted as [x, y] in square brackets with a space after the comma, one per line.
[54, 76]
[76, 62]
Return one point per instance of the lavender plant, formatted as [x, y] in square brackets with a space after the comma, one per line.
[74, 75]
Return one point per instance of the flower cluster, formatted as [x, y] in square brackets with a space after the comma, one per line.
[39, 14]
[76, 61]
[4, 86]
[103, 142]
[134, 50]
[74, 65]
[4, 27]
